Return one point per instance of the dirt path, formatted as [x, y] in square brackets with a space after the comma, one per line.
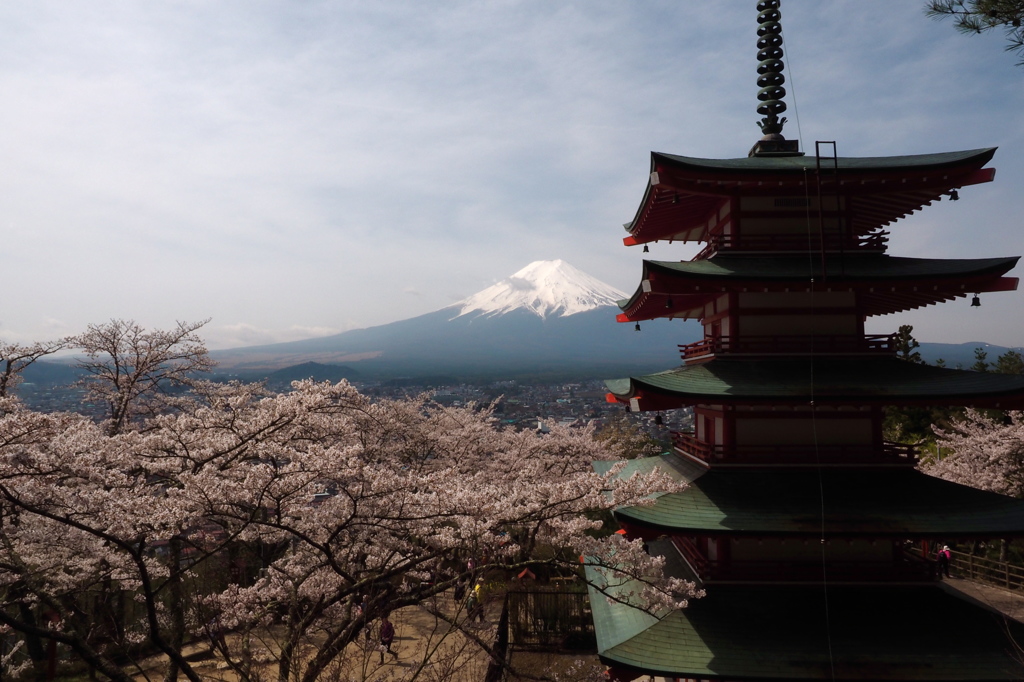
[427, 649]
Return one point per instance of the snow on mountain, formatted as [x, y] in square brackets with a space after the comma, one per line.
[547, 288]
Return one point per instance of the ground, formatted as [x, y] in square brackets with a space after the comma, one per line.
[418, 635]
[417, 632]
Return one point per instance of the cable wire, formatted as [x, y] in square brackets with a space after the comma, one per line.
[814, 413]
[792, 92]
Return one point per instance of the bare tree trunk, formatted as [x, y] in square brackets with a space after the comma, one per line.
[496, 668]
[175, 607]
[284, 664]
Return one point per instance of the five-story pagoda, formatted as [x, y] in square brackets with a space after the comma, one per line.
[800, 517]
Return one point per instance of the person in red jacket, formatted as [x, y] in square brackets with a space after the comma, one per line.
[942, 558]
[387, 636]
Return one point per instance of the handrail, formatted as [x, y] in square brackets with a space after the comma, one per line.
[908, 568]
[875, 241]
[980, 569]
[691, 554]
[888, 453]
[803, 571]
[788, 345]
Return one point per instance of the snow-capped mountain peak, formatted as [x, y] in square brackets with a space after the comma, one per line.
[547, 288]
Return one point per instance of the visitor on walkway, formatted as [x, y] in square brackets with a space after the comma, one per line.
[387, 636]
[942, 561]
[361, 610]
[475, 604]
[459, 593]
[216, 634]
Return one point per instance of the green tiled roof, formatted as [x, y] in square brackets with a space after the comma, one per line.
[810, 633]
[799, 164]
[673, 465]
[853, 266]
[855, 502]
[879, 379]
[616, 623]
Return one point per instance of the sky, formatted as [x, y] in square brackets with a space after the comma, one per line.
[299, 168]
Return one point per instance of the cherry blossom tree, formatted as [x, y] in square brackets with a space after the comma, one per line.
[982, 452]
[353, 509]
[131, 368]
[627, 438]
[15, 358]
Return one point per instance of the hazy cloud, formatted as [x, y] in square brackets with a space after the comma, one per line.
[241, 334]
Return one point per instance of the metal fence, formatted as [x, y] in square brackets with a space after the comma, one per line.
[545, 620]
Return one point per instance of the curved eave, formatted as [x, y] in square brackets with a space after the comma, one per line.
[842, 503]
[825, 381]
[685, 196]
[860, 167]
[884, 284]
[790, 633]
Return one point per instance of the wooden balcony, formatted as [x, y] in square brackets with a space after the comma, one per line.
[869, 344]
[890, 454]
[908, 568]
[789, 243]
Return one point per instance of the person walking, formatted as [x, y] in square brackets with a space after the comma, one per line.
[475, 604]
[942, 558]
[361, 610]
[387, 636]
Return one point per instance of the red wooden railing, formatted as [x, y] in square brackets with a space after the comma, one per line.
[692, 555]
[889, 453]
[875, 241]
[906, 568]
[884, 344]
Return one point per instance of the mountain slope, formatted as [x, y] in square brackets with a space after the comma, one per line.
[548, 317]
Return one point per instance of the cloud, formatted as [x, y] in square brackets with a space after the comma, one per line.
[242, 334]
[520, 284]
[49, 329]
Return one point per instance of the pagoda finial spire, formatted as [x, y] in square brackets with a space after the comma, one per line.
[769, 68]
[770, 80]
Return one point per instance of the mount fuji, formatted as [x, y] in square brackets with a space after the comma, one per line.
[546, 288]
[547, 319]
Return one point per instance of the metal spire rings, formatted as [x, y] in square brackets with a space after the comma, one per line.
[769, 68]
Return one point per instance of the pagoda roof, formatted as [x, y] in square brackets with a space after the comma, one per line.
[821, 380]
[750, 166]
[898, 503]
[685, 195]
[792, 633]
[885, 284]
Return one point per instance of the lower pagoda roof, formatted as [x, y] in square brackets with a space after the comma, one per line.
[841, 503]
[810, 633]
[821, 380]
[885, 284]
